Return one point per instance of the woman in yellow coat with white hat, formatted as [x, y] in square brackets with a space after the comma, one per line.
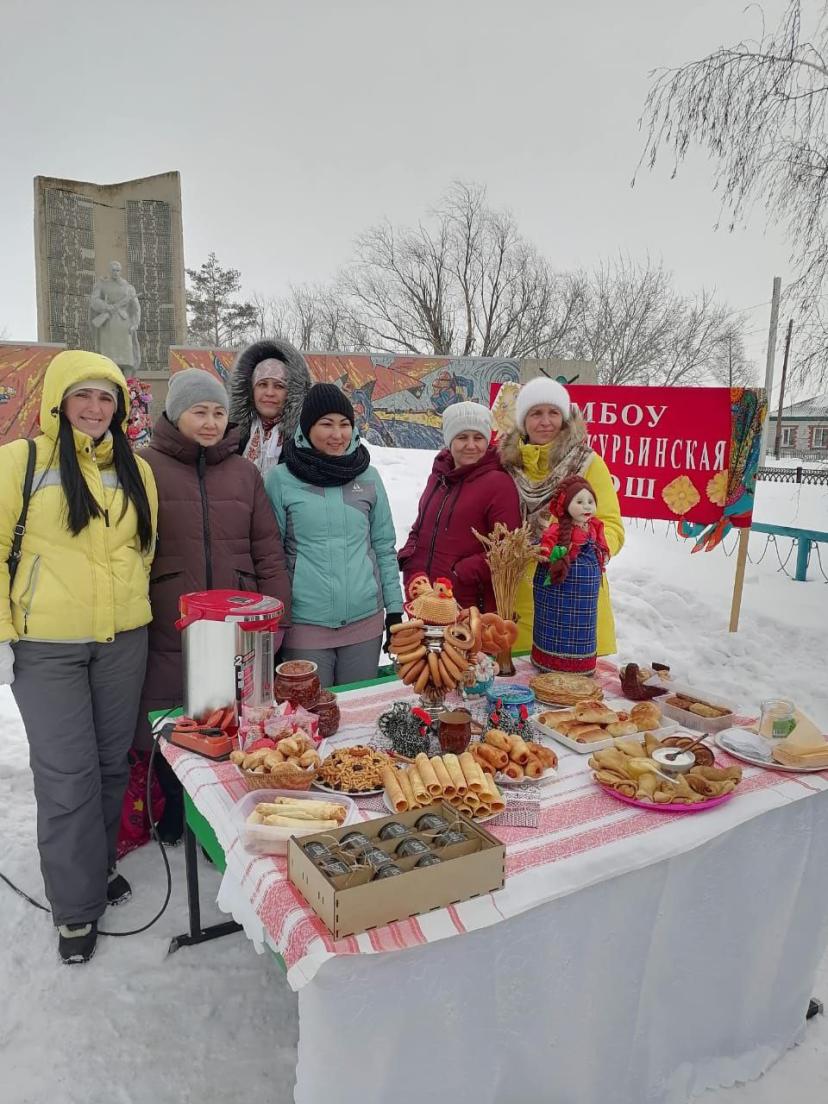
[549, 442]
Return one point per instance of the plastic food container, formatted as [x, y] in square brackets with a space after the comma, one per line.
[266, 839]
[693, 720]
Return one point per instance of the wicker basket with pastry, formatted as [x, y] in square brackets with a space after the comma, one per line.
[290, 765]
[629, 772]
[591, 724]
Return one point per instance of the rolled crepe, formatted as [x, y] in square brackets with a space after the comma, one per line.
[295, 814]
[418, 786]
[472, 772]
[428, 776]
[310, 825]
[324, 810]
[393, 790]
[442, 775]
[495, 797]
[458, 780]
[407, 792]
[518, 751]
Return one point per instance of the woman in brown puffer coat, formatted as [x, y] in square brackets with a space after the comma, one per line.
[216, 531]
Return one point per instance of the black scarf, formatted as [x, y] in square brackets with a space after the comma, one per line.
[312, 466]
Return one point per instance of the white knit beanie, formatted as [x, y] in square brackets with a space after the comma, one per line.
[541, 391]
[464, 417]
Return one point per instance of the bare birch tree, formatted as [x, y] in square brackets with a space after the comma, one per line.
[758, 109]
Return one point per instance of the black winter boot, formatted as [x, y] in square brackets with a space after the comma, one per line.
[76, 942]
[118, 889]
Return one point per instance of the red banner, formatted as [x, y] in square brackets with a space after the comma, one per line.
[667, 448]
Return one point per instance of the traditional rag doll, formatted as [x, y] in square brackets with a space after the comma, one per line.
[573, 554]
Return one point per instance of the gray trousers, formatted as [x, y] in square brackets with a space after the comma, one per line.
[79, 704]
[337, 666]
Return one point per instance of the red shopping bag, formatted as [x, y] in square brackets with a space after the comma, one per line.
[135, 826]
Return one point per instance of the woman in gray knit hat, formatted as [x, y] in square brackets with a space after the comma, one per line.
[216, 530]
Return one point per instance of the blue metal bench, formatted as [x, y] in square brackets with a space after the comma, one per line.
[804, 539]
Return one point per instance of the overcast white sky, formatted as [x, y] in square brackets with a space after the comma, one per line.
[297, 125]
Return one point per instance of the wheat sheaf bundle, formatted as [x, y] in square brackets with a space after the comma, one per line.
[508, 551]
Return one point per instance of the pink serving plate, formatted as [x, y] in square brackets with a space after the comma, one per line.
[655, 807]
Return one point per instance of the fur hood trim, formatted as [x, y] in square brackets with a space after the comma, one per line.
[241, 387]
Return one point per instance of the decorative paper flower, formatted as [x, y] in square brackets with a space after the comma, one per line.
[717, 488]
[681, 495]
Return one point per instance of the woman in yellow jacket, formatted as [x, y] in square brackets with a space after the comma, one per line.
[73, 638]
[548, 443]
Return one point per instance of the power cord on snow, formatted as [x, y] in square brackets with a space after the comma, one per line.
[153, 833]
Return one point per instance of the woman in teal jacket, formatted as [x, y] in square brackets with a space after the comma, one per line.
[339, 542]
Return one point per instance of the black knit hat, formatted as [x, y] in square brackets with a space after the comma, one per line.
[322, 399]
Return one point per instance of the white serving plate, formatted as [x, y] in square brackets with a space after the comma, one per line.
[756, 759]
[267, 839]
[691, 720]
[549, 775]
[667, 729]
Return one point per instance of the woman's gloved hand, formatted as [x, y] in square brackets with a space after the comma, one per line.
[391, 619]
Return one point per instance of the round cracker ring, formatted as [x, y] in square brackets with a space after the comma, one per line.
[460, 636]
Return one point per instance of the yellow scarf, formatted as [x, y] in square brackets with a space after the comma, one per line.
[535, 460]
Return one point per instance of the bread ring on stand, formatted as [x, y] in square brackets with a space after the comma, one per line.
[434, 670]
[459, 636]
[422, 679]
[455, 667]
[448, 679]
[402, 642]
[410, 675]
[404, 626]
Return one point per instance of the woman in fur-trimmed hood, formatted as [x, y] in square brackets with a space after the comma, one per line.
[549, 443]
[267, 388]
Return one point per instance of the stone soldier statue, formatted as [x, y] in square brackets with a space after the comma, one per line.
[114, 316]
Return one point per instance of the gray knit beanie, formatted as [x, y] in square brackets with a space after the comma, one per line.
[192, 386]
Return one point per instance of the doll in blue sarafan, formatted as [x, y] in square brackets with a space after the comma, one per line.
[573, 554]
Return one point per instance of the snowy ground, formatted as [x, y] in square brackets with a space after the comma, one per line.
[218, 1023]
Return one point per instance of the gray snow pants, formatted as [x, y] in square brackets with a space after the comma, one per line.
[79, 704]
[339, 666]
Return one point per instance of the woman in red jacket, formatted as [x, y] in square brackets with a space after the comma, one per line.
[467, 489]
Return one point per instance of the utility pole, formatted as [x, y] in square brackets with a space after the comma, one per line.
[774, 321]
[744, 534]
[778, 440]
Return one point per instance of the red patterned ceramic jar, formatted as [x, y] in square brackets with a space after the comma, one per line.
[297, 682]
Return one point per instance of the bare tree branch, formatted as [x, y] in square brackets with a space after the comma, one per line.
[758, 109]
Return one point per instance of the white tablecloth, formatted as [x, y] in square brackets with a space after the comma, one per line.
[688, 974]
